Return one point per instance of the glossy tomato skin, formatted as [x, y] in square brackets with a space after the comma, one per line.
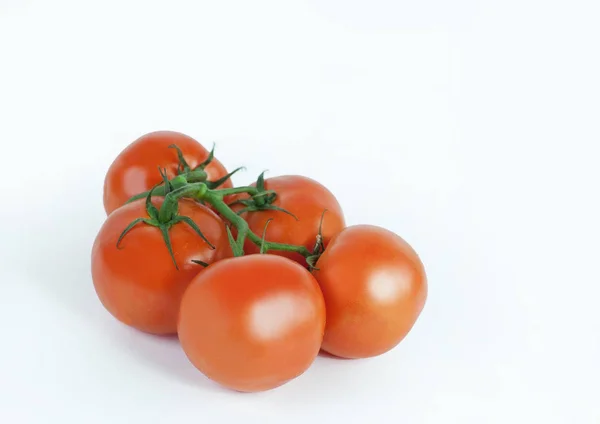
[305, 198]
[252, 323]
[135, 170]
[374, 286]
[138, 282]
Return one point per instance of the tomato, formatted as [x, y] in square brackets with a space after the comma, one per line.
[252, 323]
[135, 170]
[306, 199]
[138, 282]
[374, 286]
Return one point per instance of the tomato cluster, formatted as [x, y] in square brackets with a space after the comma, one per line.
[255, 280]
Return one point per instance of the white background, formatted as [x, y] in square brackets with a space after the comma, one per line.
[471, 128]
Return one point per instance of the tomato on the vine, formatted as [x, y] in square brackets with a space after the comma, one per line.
[374, 286]
[135, 170]
[307, 200]
[252, 323]
[138, 281]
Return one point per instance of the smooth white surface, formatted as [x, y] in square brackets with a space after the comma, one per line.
[473, 126]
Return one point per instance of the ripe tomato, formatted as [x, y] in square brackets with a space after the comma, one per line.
[252, 323]
[138, 282]
[135, 170]
[306, 199]
[374, 287]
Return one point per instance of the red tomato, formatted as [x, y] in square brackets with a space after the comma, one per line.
[252, 323]
[135, 170]
[306, 199]
[374, 286]
[138, 282]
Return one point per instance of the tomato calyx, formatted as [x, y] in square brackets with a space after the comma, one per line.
[261, 201]
[164, 219]
[184, 168]
[186, 175]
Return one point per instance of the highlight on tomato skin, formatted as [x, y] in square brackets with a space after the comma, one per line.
[252, 323]
[138, 282]
[374, 286]
[135, 169]
[306, 199]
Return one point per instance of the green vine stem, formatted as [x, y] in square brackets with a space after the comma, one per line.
[179, 181]
[193, 183]
[182, 180]
[200, 191]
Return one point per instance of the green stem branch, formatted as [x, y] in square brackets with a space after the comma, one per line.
[235, 190]
[170, 205]
[179, 181]
[215, 197]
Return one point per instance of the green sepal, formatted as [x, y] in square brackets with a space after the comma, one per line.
[215, 184]
[266, 208]
[165, 178]
[208, 160]
[150, 208]
[194, 227]
[183, 165]
[165, 233]
[235, 248]
[160, 191]
[130, 227]
[263, 243]
[260, 182]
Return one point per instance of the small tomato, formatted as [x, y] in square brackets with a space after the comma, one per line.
[307, 200]
[138, 282]
[252, 323]
[374, 286]
[135, 170]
